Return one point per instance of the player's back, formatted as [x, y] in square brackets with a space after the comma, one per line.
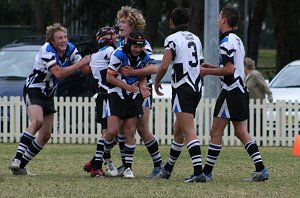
[186, 49]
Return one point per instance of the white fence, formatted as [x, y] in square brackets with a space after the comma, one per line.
[269, 124]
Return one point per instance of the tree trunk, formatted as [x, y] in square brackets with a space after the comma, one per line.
[56, 7]
[196, 25]
[286, 30]
[75, 12]
[39, 16]
[152, 17]
[255, 26]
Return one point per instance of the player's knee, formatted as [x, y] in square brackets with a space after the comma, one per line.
[111, 134]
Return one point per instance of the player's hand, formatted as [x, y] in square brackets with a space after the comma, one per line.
[133, 88]
[127, 71]
[157, 86]
[145, 91]
[85, 60]
[203, 72]
[205, 65]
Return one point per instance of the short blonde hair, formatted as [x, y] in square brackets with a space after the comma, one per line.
[249, 63]
[51, 29]
[134, 17]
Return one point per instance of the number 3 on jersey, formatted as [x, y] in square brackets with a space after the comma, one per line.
[194, 54]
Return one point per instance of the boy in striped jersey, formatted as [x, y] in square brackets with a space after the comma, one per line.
[184, 48]
[107, 40]
[56, 59]
[124, 95]
[131, 19]
[233, 101]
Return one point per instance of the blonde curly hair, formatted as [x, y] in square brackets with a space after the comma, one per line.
[133, 16]
[51, 29]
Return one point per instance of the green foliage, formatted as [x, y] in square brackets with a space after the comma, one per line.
[60, 175]
[16, 12]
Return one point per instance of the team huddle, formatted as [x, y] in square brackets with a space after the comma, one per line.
[123, 67]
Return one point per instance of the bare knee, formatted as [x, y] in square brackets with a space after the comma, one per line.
[111, 134]
[244, 136]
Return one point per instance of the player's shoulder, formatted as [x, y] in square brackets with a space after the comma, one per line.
[106, 49]
[119, 53]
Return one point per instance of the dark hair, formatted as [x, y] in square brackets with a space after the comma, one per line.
[180, 16]
[231, 14]
[136, 38]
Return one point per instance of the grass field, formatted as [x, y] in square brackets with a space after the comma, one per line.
[60, 174]
[267, 63]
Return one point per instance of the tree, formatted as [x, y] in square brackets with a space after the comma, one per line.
[286, 29]
[196, 8]
[255, 26]
[152, 17]
[39, 16]
[56, 8]
[17, 12]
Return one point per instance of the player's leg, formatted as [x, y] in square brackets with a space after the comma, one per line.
[175, 151]
[150, 142]
[37, 144]
[35, 114]
[260, 173]
[215, 145]
[186, 125]
[100, 107]
[113, 123]
[220, 121]
[97, 170]
[129, 147]
[121, 141]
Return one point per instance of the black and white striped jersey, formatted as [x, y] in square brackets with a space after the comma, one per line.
[121, 59]
[148, 49]
[186, 51]
[99, 64]
[41, 77]
[232, 49]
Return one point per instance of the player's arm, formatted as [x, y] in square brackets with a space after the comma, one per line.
[111, 78]
[144, 71]
[63, 72]
[162, 70]
[144, 89]
[86, 69]
[207, 65]
[228, 69]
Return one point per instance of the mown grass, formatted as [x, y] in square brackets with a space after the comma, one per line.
[267, 63]
[60, 175]
[266, 58]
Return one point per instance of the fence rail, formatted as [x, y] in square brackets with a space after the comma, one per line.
[269, 124]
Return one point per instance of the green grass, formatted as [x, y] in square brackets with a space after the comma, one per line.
[267, 63]
[266, 58]
[60, 175]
